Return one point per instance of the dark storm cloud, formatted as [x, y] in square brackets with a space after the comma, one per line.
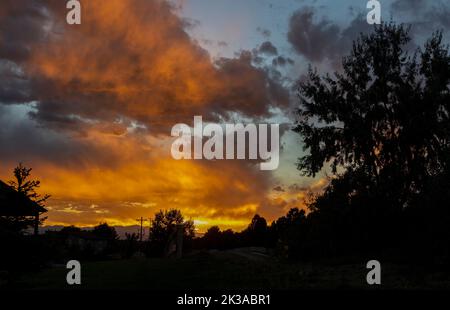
[257, 87]
[314, 40]
[408, 5]
[320, 39]
[268, 48]
[282, 61]
[23, 140]
[22, 24]
[14, 85]
[424, 16]
[101, 71]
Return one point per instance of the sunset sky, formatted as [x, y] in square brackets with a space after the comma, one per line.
[90, 107]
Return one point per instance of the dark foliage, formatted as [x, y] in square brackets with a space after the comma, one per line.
[383, 125]
[163, 229]
[27, 187]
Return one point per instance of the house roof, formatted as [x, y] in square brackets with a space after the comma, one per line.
[13, 203]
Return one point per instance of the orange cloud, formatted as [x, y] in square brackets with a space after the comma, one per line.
[104, 95]
[133, 60]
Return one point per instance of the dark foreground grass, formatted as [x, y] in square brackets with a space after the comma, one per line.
[224, 270]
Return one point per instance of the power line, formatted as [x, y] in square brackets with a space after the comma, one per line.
[141, 233]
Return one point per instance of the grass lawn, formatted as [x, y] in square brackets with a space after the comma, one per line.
[216, 270]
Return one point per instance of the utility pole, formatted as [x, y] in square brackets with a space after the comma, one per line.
[141, 233]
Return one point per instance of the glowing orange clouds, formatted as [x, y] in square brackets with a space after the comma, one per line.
[133, 59]
[103, 96]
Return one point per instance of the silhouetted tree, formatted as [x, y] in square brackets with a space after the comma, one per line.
[70, 229]
[229, 239]
[258, 224]
[213, 238]
[383, 126]
[27, 187]
[23, 184]
[256, 233]
[164, 226]
[289, 231]
[386, 114]
[132, 244]
[105, 231]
